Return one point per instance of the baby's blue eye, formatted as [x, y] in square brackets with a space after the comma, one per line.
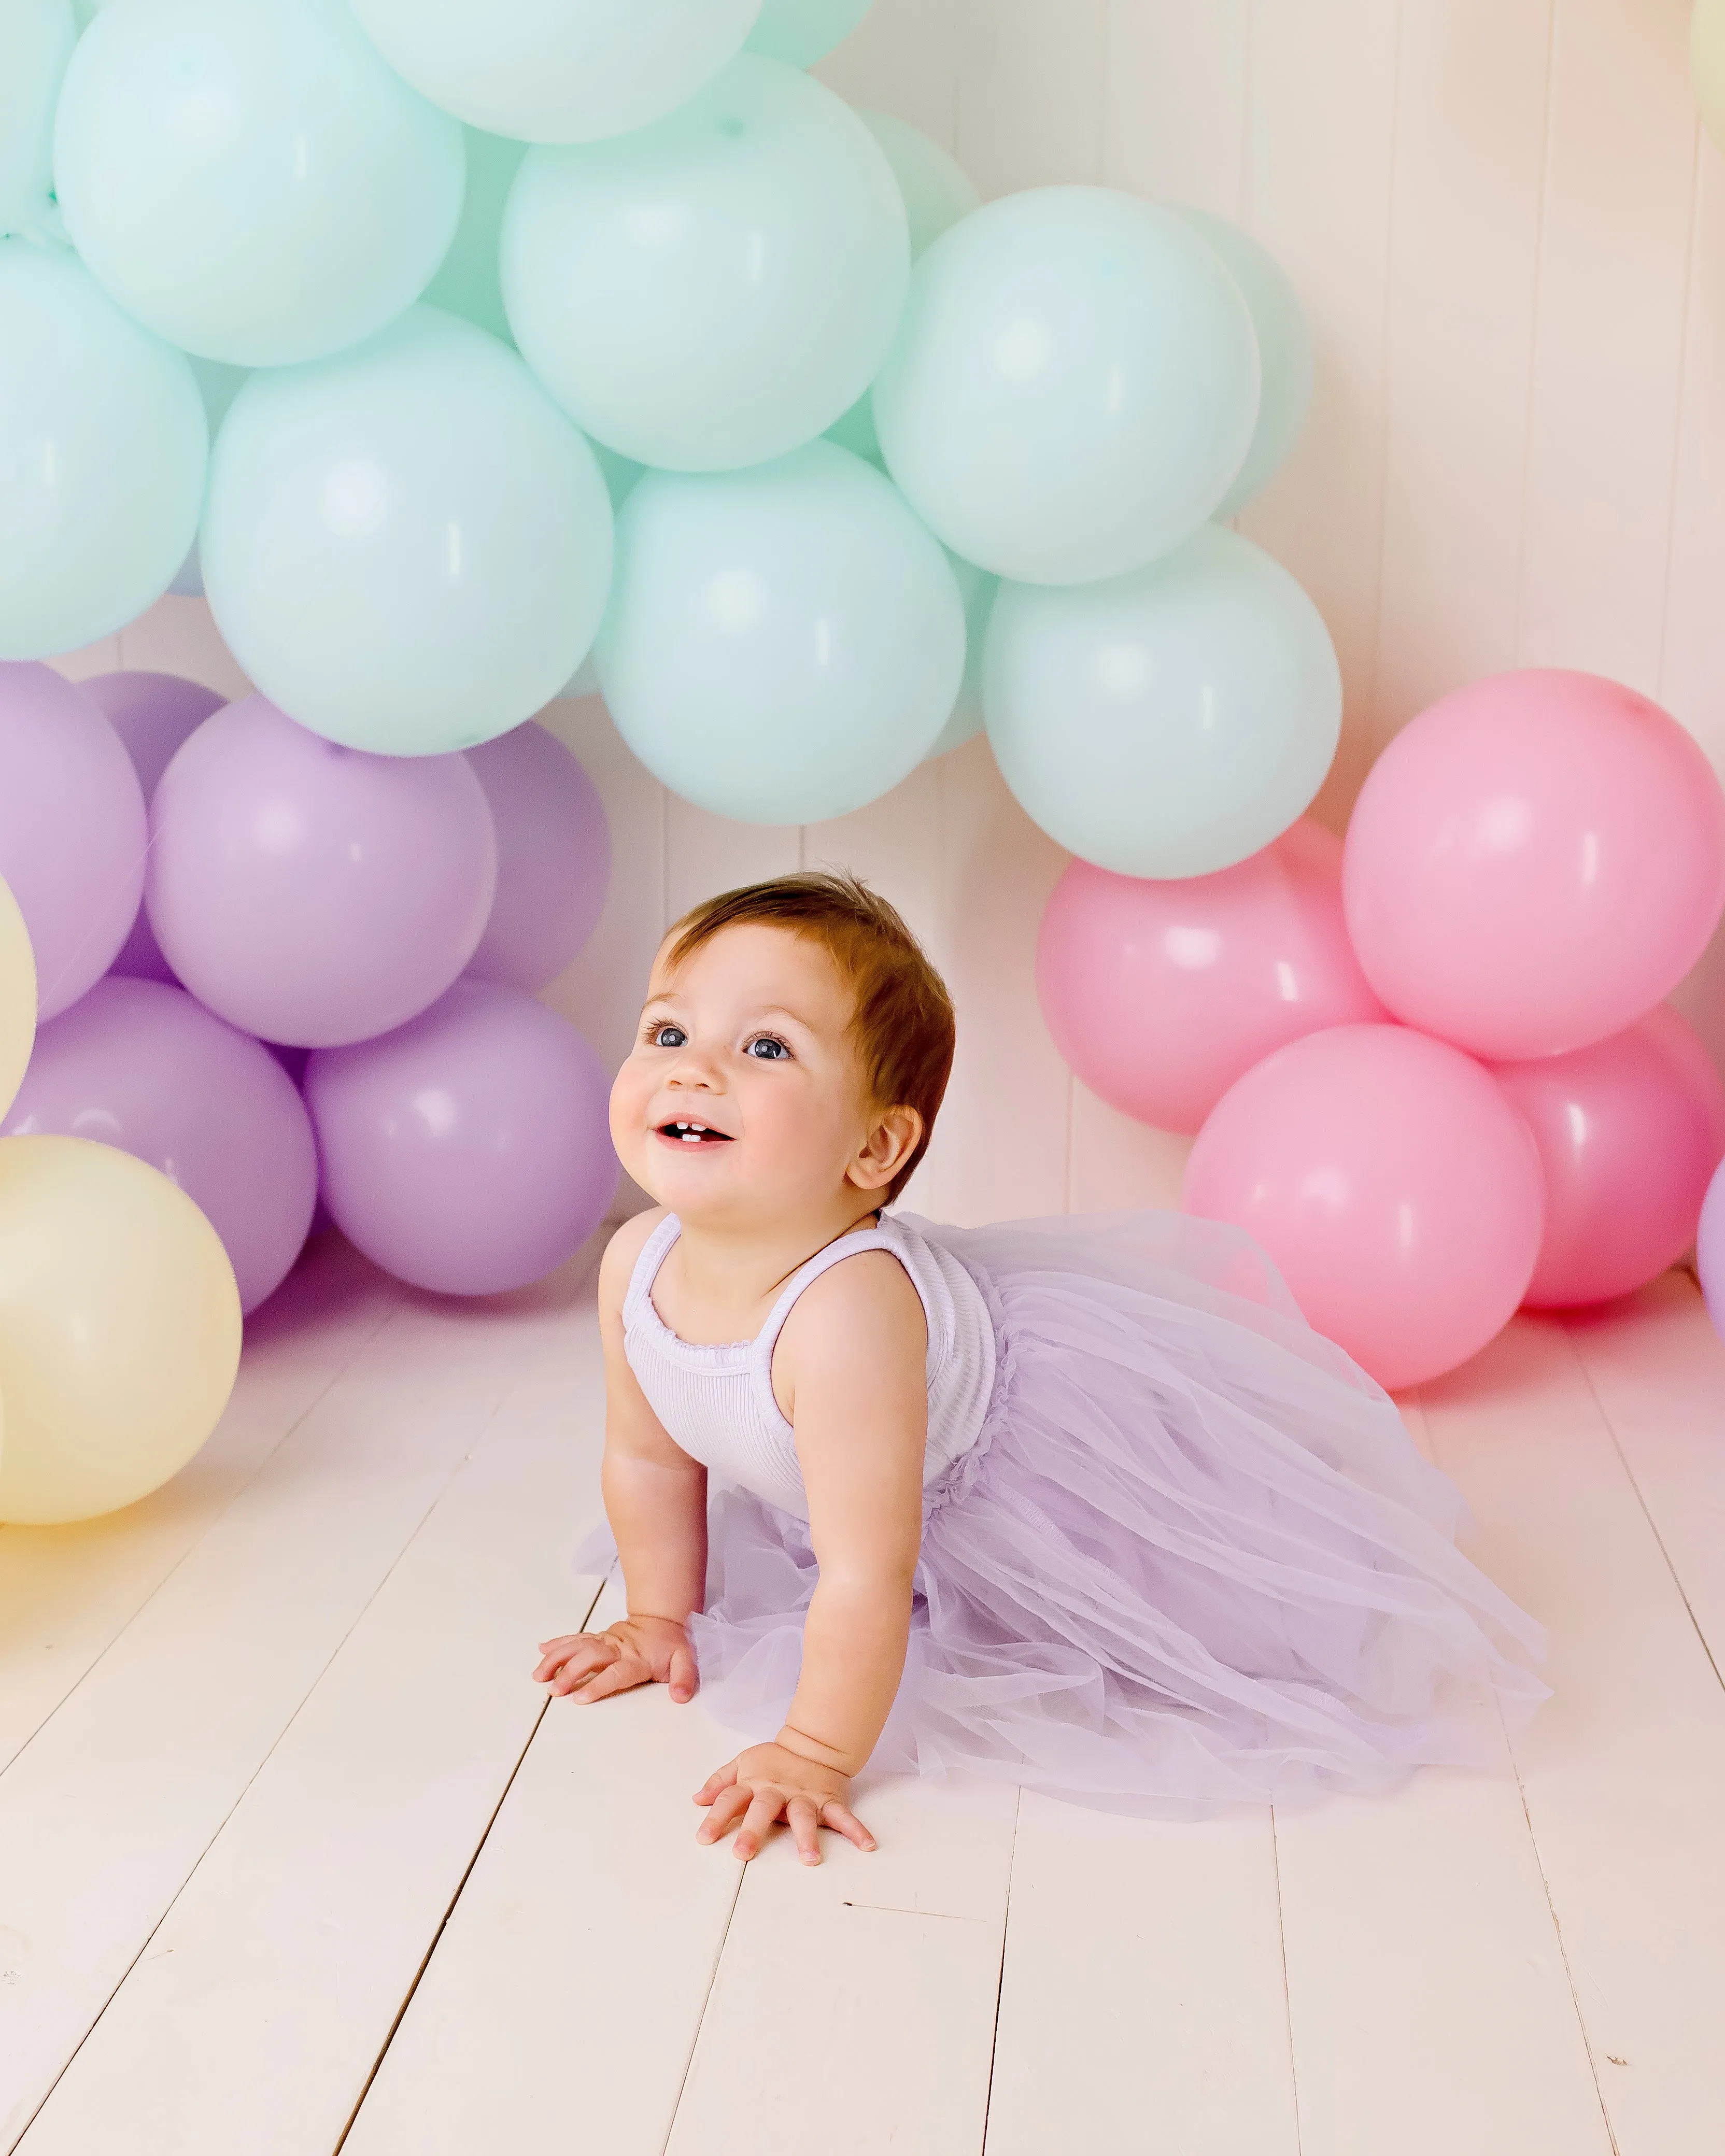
[669, 1036]
[767, 1048]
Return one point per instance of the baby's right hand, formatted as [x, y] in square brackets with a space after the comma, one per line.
[635, 1650]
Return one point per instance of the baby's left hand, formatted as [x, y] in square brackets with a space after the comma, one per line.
[765, 1781]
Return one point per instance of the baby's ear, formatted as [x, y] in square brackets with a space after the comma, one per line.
[894, 1137]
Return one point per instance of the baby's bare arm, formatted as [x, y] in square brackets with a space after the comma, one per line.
[851, 1374]
[655, 1500]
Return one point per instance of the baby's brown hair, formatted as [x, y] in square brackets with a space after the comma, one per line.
[903, 1023]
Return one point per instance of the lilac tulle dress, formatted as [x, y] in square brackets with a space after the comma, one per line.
[1177, 1551]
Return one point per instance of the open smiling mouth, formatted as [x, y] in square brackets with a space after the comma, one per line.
[693, 1134]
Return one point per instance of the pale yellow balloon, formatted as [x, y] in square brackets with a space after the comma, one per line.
[18, 998]
[118, 1329]
[1707, 62]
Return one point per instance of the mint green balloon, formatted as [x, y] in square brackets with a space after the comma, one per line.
[103, 448]
[1284, 352]
[712, 290]
[1074, 385]
[1169, 723]
[783, 645]
[800, 32]
[620, 476]
[218, 384]
[36, 41]
[977, 589]
[558, 70]
[466, 283]
[249, 179]
[937, 192]
[407, 546]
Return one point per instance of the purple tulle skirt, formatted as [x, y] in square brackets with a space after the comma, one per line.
[1194, 1559]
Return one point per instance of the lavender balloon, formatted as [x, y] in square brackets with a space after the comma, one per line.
[470, 1150]
[152, 714]
[140, 1065]
[72, 830]
[1710, 1249]
[553, 857]
[313, 894]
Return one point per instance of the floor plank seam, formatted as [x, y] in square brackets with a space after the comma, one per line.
[449, 1909]
[1604, 1416]
[275, 1744]
[1287, 1996]
[1018, 1807]
[707, 2001]
[209, 1526]
[1557, 1925]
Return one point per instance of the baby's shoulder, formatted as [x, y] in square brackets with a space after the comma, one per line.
[865, 1306]
[622, 1253]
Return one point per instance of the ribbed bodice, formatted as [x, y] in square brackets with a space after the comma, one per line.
[718, 1402]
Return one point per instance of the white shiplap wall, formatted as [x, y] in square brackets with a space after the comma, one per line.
[1510, 235]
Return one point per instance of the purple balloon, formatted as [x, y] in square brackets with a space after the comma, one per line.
[152, 714]
[141, 1066]
[553, 857]
[72, 830]
[312, 894]
[470, 1150]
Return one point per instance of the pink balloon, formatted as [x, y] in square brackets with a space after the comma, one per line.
[140, 1066]
[72, 830]
[1391, 1182]
[553, 857]
[1630, 1131]
[469, 1151]
[1534, 863]
[313, 894]
[1160, 995]
[152, 714]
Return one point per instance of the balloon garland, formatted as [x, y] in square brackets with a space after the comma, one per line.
[460, 351]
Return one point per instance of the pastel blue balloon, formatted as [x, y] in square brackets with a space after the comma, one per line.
[1284, 352]
[783, 645]
[620, 476]
[218, 384]
[467, 283]
[977, 589]
[103, 448]
[558, 70]
[36, 41]
[1073, 387]
[407, 546]
[800, 32]
[249, 179]
[713, 290]
[937, 192]
[1168, 723]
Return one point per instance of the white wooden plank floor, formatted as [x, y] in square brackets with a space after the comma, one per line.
[292, 1860]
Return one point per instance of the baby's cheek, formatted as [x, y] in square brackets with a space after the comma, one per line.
[627, 1112]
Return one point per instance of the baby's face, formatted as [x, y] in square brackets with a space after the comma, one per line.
[743, 1099]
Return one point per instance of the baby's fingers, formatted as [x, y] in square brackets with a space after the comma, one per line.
[764, 1808]
[588, 1661]
[803, 1817]
[554, 1653]
[681, 1675]
[843, 1820]
[728, 1807]
[622, 1675]
[721, 1778]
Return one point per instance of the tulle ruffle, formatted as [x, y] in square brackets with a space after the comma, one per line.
[1193, 1560]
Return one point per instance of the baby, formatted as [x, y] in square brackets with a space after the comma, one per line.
[1085, 1504]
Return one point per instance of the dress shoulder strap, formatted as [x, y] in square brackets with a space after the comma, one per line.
[637, 1298]
[834, 1253]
